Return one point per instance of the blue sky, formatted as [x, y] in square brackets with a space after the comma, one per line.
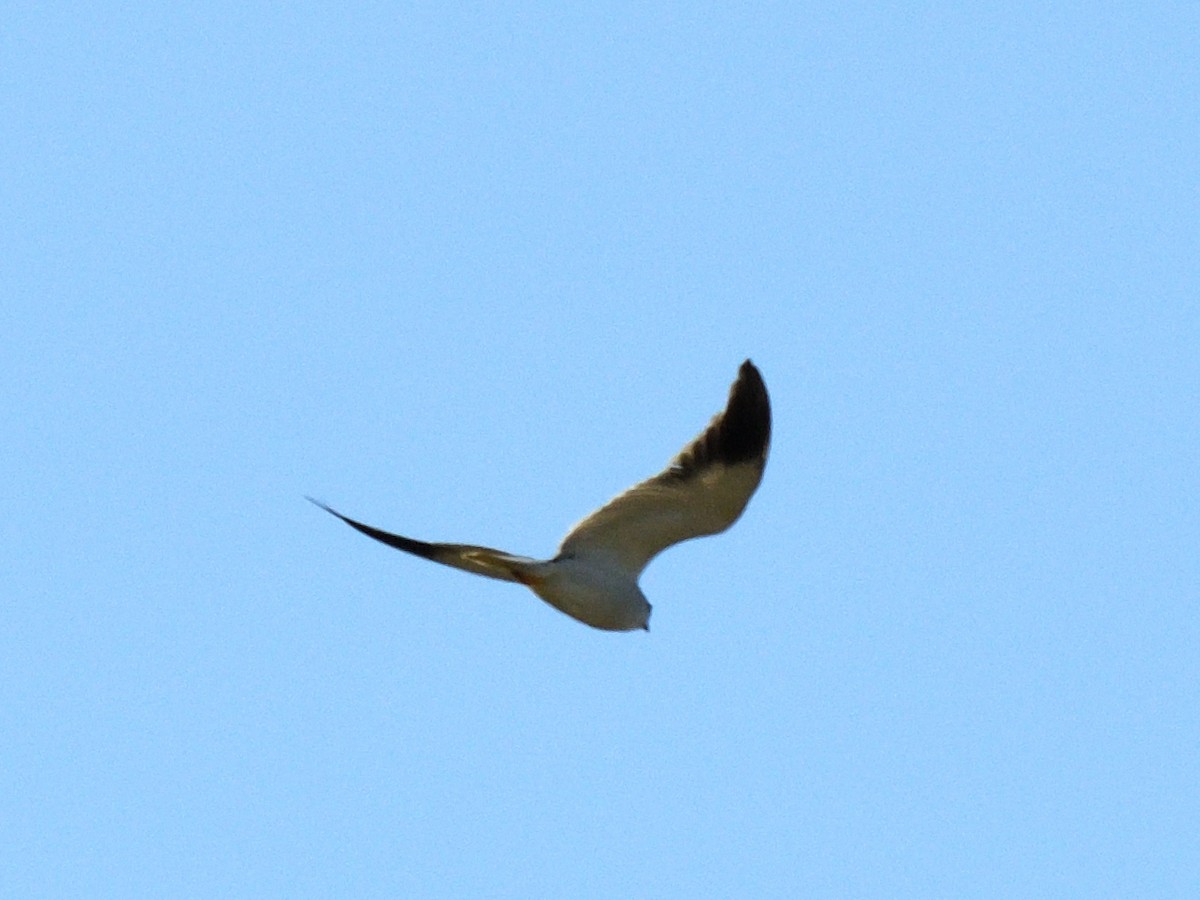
[465, 273]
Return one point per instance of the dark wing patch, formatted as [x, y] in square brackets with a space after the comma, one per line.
[408, 545]
[741, 433]
[478, 560]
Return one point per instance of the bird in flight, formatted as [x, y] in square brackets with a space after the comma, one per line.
[594, 575]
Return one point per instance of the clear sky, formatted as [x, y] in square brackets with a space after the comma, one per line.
[466, 273]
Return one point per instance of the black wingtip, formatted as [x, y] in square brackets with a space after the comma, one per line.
[315, 502]
[739, 434]
[408, 545]
[333, 512]
[743, 430]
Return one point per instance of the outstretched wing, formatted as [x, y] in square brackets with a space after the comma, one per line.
[479, 560]
[702, 491]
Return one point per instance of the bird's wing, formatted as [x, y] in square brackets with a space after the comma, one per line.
[702, 491]
[479, 560]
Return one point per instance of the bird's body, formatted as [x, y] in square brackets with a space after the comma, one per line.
[593, 590]
[594, 575]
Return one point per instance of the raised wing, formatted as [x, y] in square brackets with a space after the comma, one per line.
[479, 560]
[703, 490]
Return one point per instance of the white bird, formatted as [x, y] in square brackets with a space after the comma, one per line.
[594, 575]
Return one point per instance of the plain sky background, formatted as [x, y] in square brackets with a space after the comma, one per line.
[465, 273]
